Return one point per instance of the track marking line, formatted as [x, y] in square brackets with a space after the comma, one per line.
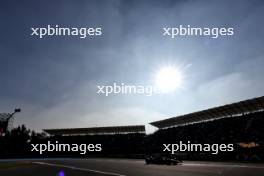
[221, 165]
[78, 168]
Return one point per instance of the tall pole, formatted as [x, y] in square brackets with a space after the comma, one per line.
[15, 111]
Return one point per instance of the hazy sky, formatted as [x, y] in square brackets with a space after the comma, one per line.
[53, 80]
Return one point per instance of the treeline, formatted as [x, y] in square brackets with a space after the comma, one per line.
[16, 143]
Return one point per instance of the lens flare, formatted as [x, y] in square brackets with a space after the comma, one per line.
[168, 79]
[61, 173]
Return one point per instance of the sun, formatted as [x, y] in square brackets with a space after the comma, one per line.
[168, 79]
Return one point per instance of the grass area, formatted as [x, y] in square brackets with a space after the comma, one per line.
[8, 165]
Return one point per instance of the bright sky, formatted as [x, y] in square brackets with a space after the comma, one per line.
[53, 80]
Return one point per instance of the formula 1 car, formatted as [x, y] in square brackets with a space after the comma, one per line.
[162, 159]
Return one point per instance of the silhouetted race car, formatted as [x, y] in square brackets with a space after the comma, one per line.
[162, 159]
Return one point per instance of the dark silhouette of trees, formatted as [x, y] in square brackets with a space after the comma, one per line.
[16, 143]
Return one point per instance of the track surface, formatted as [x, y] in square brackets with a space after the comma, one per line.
[124, 167]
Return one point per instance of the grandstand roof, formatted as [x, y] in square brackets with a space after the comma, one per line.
[97, 130]
[234, 109]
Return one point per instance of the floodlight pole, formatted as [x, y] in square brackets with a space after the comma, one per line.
[15, 111]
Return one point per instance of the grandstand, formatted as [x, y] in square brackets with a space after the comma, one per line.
[230, 110]
[98, 130]
[116, 141]
[241, 124]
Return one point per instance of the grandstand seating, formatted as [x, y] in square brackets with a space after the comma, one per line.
[241, 124]
[238, 130]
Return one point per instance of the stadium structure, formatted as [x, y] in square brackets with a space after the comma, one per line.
[98, 130]
[116, 141]
[6, 121]
[231, 110]
[241, 124]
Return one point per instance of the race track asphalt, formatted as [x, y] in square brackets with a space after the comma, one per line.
[123, 167]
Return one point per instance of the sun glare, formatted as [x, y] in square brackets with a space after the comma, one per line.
[168, 79]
